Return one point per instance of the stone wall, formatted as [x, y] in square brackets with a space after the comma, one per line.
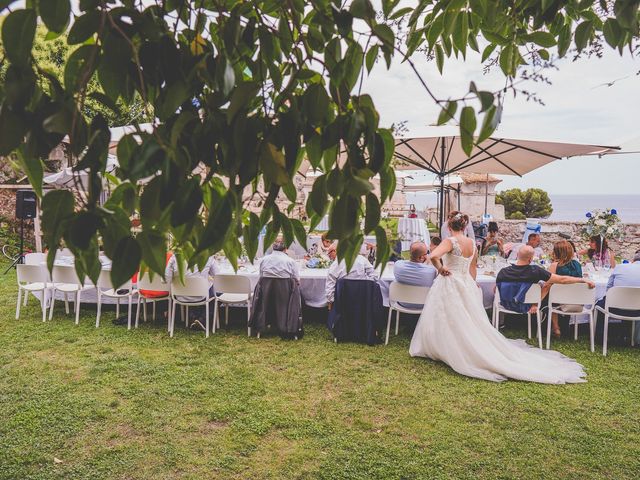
[512, 231]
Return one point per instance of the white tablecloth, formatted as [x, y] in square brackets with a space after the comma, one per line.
[411, 230]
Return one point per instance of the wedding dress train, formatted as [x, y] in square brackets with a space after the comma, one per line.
[453, 328]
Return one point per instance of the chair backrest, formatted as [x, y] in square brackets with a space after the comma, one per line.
[534, 294]
[104, 282]
[65, 274]
[35, 258]
[157, 284]
[192, 287]
[627, 298]
[232, 284]
[400, 292]
[575, 294]
[64, 252]
[31, 273]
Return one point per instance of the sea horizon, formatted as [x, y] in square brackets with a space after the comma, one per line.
[573, 208]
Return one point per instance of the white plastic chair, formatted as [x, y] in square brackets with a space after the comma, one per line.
[626, 298]
[32, 278]
[574, 294]
[65, 280]
[533, 296]
[234, 289]
[156, 285]
[35, 259]
[195, 287]
[401, 293]
[105, 288]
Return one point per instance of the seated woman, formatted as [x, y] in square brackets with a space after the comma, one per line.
[323, 247]
[565, 264]
[493, 244]
[599, 251]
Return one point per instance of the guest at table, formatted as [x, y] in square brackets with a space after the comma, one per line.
[565, 264]
[624, 275]
[209, 270]
[361, 270]
[513, 282]
[412, 211]
[533, 241]
[278, 264]
[599, 251]
[493, 244]
[323, 247]
[416, 271]
[444, 230]
[435, 241]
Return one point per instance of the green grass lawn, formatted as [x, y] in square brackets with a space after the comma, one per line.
[78, 402]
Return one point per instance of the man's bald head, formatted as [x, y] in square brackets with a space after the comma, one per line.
[525, 254]
[418, 252]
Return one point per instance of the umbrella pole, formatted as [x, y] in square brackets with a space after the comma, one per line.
[441, 201]
[442, 173]
[486, 194]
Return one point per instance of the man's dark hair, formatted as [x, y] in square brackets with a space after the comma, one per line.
[279, 246]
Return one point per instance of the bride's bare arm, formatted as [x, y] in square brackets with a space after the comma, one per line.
[442, 249]
[473, 268]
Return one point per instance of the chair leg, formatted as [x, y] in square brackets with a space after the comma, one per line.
[138, 309]
[154, 311]
[66, 304]
[386, 341]
[591, 331]
[117, 307]
[528, 325]
[206, 319]
[44, 305]
[397, 321]
[144, 310]
[172, 319]
[19, 303]
[633, 333]
[53, 301]
[575, 328]
[129, 313]
[540, 329]
[248, 314]
[26, 298]
[78, 307]
[549, 329]
[605, 334]
[226, 315]
[215, 315]
[98, 311]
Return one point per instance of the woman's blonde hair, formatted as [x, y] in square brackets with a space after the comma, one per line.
[562, 252]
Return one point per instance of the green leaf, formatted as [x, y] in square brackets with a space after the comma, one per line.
[382, 246]
[583, 34]
[384, 33]
[75, 69]
[490, 122]
[241, 97]
[154, 250]
[12, 130]
[33, 167]
[57, 208]
[370, 58]
[299, 232]
[188, 202]
[372, 218]
[171, 98]
[387, 184]
[217, 225]
[55, 14]
[486, 100]
[439, 57]
[544, 39]
[272, 163]
[362, 9]
[84, 27]
[507, 60]
[448, 112]
[318, 197]
[612, 32]
[81, 229]
[313, 147]
[18, 33]
[467, 129]
[126, 261]
[486, 53]
[316, 103]
[290, 191]
[250, 235]
[344, 217]
[564, 41]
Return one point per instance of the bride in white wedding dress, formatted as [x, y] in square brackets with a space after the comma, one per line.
[453, 327]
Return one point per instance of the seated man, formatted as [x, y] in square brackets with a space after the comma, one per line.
[514, 281]
[361, 270]
[416, 271]
[278, 264]
[533, 241]
[624, 275]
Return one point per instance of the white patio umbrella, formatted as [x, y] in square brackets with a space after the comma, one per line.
[65, 177]
[443, 156]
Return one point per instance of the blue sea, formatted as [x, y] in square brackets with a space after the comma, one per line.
[575, 207]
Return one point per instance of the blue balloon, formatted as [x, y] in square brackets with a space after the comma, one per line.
[614, 211]
[588, 214]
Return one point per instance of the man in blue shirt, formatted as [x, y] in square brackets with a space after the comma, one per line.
[416, 271]
[624, 275]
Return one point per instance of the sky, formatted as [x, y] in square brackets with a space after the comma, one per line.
[578, 108]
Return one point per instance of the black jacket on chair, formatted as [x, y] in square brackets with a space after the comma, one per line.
[357, 314]
[276, 302]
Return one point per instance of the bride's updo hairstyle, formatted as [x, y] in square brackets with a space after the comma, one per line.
[458, 221]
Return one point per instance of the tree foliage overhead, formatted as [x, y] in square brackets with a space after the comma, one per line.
[519, 204]
[241, 93]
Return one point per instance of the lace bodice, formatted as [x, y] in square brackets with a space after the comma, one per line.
[454, 260]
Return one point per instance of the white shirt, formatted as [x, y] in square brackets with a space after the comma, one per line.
[361, 270]
[468, 232]
[537, 252]
[279, 265]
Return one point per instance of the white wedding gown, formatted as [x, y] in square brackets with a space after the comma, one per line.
[453, 328]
